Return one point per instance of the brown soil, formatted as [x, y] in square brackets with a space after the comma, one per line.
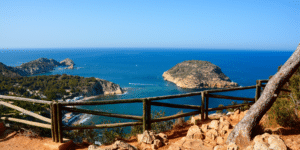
[13, 140]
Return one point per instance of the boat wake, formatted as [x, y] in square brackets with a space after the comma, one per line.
[140, 84]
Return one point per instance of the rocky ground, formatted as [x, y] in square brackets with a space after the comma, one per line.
[210, 134]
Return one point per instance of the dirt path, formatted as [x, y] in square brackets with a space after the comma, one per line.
[14, 141]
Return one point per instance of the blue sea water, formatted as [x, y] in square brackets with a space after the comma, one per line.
[140, 71]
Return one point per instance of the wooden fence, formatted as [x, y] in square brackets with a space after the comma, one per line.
[55, 122]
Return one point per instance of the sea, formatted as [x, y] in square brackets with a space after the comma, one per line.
[139, 71]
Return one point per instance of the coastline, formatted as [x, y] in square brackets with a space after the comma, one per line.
[81, 118]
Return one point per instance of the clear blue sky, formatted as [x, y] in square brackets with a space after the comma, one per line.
[204, 24]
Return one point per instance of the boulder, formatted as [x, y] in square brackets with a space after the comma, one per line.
[267, 141]
[194, 132]
[156, 144]
[232, 146]
[219, 147]
[204, 127]
[214, 124]
[150, 140]
[259, 145]
[164, 137]
[190, 144]
[211, 134]
[220, 140]
[230, 113]
[148, 137]
[120, 145]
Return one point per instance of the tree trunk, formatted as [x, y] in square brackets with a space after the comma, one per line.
[241, 134]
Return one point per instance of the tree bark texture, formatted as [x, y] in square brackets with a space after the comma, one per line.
[241, 134]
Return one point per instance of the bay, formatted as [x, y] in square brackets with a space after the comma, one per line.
[140, 71]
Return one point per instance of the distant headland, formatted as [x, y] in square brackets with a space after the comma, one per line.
[196, 74]
[52, 86]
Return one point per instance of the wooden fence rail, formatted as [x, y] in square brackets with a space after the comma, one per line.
[145, 120]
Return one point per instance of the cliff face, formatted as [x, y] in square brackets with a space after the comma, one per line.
[102, 87]
[196, 74]
[109, 87]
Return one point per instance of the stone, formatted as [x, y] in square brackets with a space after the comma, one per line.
[199, 136]
[174, 147]
[211, 134]
[144, 146]
[192, 131]
[210, 143]
[195, 145]
[94, 147]
[230, 113]
[214, 124]
[195, 119]
[204, 127]
[156, 144]
[139, 138]
[163, 137]
[224, 127]
[121, 145]
[148, 137]
[276, 143]
[219, 147]
[220, 140]
[261, 138]
[232, 146]
[250, 147]
[222, 119]
[260, 146]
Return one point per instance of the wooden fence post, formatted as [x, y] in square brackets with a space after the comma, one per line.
[54, 122]
[206, 103]
[202, 104]
[59, 123]
[146, 115]
[258, 90]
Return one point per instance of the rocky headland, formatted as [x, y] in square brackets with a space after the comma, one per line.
[80, 85]
[196, 74]
[41, 65]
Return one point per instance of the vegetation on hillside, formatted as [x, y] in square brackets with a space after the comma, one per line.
[285, 109]
[51, 86]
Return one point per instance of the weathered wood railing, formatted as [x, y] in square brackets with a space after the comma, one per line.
[56, 109]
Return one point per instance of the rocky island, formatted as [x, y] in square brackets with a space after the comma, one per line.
[16, 81]
[195, 74]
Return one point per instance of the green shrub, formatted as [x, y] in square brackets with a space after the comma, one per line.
[160, 126]
[220, 111]
[283, 112]
[245, 107]
[232, 109]
[157, 126]
[78, 136]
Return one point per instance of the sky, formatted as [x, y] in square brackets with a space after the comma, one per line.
[200, 24]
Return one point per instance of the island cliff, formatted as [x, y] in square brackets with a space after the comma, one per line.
[195, 74]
